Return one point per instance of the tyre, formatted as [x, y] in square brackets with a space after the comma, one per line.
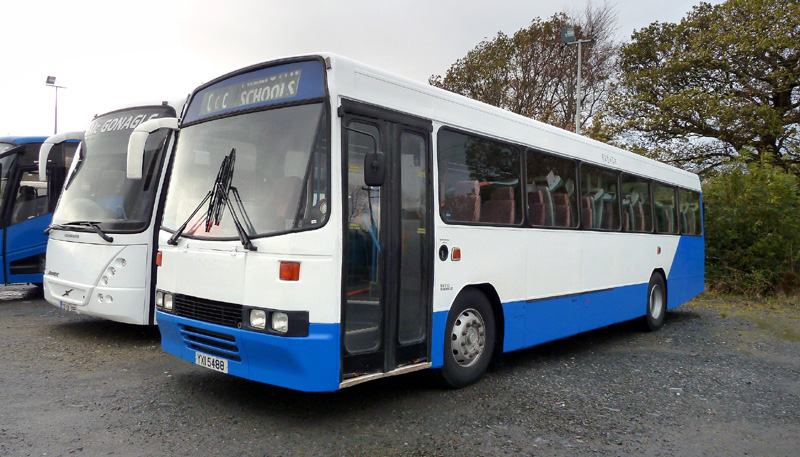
[469, 339]
[656, 303]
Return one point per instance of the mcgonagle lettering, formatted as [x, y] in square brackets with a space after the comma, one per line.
[126, 121]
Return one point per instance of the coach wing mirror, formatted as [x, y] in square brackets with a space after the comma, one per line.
[138, 139]
[44, 149]
[374, 162]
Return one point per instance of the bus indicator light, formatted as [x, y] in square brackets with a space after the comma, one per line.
[290, 271]
[456, 254]
[158, 259]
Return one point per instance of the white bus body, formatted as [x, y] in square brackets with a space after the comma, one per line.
[101, 247]
[381, 280]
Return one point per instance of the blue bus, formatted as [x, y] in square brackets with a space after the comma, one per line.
[26, 204]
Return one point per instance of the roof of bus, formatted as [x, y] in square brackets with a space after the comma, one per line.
[361, 82]
[22, 139]
[369, 84]
[176, 103]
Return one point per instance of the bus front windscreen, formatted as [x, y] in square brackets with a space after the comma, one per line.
[279, 179]
[98, 190]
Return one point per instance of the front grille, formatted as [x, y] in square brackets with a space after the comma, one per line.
[214, 343]
[212, 311]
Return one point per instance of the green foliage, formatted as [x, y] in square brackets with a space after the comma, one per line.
[719, 88]
[752, 216]
[531, 73]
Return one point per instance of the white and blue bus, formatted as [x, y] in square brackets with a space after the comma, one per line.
[327, 223]
[27, 200]
[100, 253]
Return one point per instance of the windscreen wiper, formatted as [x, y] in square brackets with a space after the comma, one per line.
[93, 225]
[219, 198]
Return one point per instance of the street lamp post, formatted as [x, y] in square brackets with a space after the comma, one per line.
[568, 37]
[51, 81]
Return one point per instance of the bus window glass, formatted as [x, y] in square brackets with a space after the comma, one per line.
[31, 198]
[479, 180]
[413, 303]
[599, 198]
[5, 166]
[665, 208]
[552, 194]
[691, 216]
[280, 171]
[98, 189]
[363, 282]
[637, 214]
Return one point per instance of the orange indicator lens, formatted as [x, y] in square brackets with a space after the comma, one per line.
[290, 271]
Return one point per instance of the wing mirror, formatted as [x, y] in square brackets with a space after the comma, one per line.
[374, 162]
[138, 139]
[44, 149]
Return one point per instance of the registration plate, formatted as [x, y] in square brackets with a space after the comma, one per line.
[69, 307]
[211, 362]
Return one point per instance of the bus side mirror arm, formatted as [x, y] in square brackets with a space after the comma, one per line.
[138, 139]
[44, 149]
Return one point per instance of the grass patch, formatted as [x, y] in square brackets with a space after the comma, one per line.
[778, 316]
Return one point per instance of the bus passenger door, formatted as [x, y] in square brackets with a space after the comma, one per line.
[386, 315]
[27, 216]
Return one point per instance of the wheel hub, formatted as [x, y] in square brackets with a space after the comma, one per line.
[468, 337]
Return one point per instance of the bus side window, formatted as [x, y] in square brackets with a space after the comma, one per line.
[599, 198]
[479, 180]
[690, 214]
[636, 204]
[665, 208]
[550, 185]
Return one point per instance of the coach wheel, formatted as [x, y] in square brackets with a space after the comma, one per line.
[470, 339]
[656, 303]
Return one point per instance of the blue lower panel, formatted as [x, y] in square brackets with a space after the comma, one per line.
[437, 339]
[540, 321]
[620, 304]
[309, 363]
[687, 275]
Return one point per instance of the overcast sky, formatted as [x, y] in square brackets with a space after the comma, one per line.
[111, 53]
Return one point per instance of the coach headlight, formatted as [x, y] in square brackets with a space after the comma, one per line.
[168, 302]
[258, 319]
[159, 299]
[280, 322]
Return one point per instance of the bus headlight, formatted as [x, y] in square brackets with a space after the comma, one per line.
[159, 299]
[168, 301]
[258, 318]
[280, 322]
[275, 322]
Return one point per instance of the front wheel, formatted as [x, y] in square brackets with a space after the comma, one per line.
[470, 339]
[656, 303]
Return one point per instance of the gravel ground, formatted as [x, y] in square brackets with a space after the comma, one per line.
[712, 382]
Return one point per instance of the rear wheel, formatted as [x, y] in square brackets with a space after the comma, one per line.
[656, 303]
[470, 339]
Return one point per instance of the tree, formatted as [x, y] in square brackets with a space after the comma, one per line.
[532, 74]
[751, 217]
[720, 87]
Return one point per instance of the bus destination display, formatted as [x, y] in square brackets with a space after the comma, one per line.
[259, 88]
[271, 88]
